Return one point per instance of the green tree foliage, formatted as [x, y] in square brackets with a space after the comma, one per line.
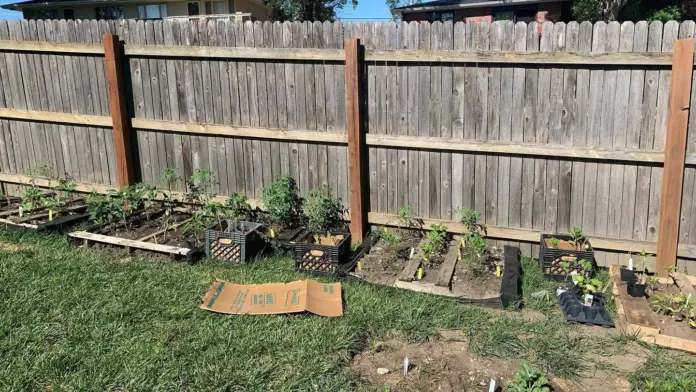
[586, 10]
[651, 10]
[626, 10]
[307, 10]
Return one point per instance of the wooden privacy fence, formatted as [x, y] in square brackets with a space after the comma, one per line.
[539, 128]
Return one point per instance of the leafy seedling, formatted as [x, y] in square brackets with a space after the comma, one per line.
[389, 238]
[322, 211]
[282, 200]
[554, 242]
[577, 238]
[436, 242]
[200, 187]
[238, 207]
[529, 379]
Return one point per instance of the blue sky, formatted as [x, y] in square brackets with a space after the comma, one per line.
[5, 14]
[366, 9]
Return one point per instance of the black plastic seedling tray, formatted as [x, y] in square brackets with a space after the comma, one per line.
[576, 312]
[511, 283]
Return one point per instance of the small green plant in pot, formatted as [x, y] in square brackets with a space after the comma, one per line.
[529, 379]
[282, 201]
[321, 211]
[554, 242]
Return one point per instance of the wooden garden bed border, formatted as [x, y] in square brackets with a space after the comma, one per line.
[634, 315]
[405, 279]
[50, 224]
[88, 238]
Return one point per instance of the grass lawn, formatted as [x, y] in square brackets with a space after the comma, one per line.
[79, 320]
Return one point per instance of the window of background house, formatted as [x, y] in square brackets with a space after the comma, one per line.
[441, 16]
[193, 8]
[44, 14]
[152, 11]
[526, 15]
[113, 12]
[68, 14]
[504, 15]
[216, 7]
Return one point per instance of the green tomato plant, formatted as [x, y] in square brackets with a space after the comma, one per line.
[322, 211]
[282, 200]
[238, 207]
[435, 242]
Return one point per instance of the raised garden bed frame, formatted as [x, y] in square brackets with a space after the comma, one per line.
[81, 214]
[634, 315]
[511, 283]
[88, 238]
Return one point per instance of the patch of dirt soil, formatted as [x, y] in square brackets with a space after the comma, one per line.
[446, 364]
[672, 325]
[441, 365]
[385, 262]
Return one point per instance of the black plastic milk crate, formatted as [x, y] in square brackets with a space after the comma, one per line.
[238, 242]
[551, 258]
[322, 259]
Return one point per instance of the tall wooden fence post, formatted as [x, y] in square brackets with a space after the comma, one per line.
[675, 150]
[357, 158]
[113, 58]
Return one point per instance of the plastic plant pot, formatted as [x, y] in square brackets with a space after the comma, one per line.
[635, 289]
[627, 274]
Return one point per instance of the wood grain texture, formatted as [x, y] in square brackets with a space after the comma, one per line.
[119, 110]
[675, 148]
[356, 137]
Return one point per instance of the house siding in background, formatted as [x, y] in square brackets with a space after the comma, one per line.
[554, 11]
[129, 9]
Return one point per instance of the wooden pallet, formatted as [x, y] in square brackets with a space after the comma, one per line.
[406, 279]
[634, 315]
[80, 211]
[88, 238]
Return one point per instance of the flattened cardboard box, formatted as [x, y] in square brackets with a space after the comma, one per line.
[275, 298]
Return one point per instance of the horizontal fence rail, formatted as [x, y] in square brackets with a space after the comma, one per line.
[406, 142]
[441, 56]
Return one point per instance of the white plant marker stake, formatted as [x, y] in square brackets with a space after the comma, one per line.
[405, 365]
[491, 388]
[413, 251]
[630, 263]
[21, 211]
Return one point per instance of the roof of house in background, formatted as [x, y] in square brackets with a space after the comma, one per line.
[43, 3]
[39, 3]
[446, 5]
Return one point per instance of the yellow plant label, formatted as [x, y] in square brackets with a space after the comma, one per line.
[497, 270]
[359, 267]
[420, 273]
[50, 215]
[272, 233]
[459, 254]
